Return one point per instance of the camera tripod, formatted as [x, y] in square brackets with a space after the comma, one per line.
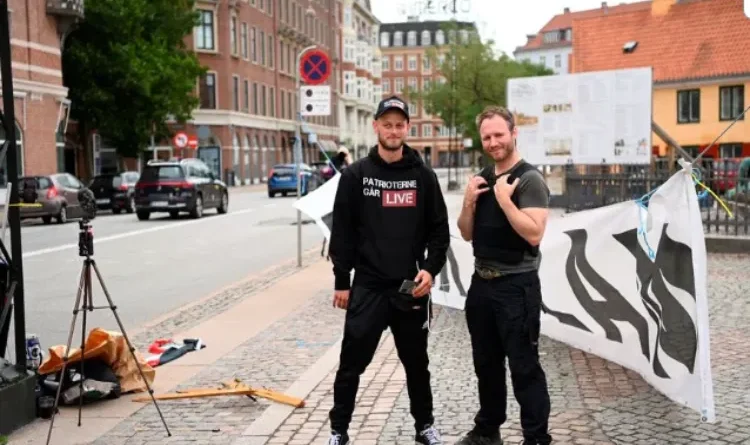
[85, 302]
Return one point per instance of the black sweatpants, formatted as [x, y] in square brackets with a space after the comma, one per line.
[368, 314]
[503, 317]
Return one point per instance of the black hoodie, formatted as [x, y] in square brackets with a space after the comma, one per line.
[384, 218]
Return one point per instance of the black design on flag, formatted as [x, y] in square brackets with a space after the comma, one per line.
[676, 334]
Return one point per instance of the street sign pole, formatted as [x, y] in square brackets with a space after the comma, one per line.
[298, 152]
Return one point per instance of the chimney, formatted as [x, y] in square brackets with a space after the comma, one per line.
[661, 7]
[529, 38]
[566, 10]
[604, 7]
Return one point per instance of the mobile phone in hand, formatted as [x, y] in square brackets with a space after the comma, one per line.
[407, 287]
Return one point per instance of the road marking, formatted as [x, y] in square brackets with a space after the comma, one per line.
[133, 233]
[273, 204]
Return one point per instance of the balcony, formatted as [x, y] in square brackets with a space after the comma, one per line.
[71, 9]
[294, 35]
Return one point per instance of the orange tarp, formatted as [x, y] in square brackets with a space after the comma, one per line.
[111, 348]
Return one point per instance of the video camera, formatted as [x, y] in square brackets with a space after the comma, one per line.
[87, 201]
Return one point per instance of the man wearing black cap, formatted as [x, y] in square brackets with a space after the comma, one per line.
[388, 210]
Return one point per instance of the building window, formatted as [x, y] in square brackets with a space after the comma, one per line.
[233, 35]
[551, 37]
[426, 64]
[255, 98]
[243, 40]
[398, 63]
[398, 38]
[384, 39]
[413, 131]
[263, 101]
[386, 85]
[427, 130]
[262, 45]
[204, 32]
[731, 102]
[426, 38]
[413, 86]
[386, 63]
[235, 93]
[207, 89]
[282, 105]
[246, 96]
[271, 52]
[253, 46]
[411, 38]
[440, 37]
[688, 106]
[412, 63]
[399, 85]
[558, 61]
[730, 150]
[272, 103]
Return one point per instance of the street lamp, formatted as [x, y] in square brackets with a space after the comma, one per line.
[310, 12]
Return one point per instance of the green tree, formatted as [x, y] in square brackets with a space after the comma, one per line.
[128, 70]
[474, 78]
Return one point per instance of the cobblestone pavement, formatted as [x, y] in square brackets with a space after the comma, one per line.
[593, 401]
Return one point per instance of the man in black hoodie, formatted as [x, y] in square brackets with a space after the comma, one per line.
[388, 210]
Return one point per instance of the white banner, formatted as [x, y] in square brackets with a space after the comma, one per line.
[597, 117]
[624, 282]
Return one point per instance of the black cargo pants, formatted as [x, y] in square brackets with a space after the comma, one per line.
[368, 314]
[503, 317]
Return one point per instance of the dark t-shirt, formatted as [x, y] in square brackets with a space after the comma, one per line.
[532, 192]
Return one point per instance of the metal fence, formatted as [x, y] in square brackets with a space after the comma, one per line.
[588, 187]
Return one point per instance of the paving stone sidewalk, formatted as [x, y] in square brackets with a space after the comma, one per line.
[593, 401]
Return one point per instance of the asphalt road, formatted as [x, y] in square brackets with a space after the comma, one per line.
[156, 266]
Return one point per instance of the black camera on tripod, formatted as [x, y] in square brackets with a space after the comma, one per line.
[87, 200]
[85, 239]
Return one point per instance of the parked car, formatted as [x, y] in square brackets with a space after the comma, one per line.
[325, 168]
[185, 185]
[54, 196]
[115, 192]
[282, 179]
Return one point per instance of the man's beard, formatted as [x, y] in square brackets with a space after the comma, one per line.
[390, 146]
[502, 152]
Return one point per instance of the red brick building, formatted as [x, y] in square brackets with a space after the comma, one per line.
[406, 66]
[41, 103]
[248, 99]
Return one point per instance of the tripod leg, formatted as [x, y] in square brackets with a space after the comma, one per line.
[76, 309]
[88, 303]
[130, 345]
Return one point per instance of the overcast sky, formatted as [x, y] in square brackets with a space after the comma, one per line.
[505, 21]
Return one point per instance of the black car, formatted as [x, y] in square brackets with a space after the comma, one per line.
[116, 192]
[186, 185]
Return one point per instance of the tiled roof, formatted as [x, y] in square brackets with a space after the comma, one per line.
[565, 20]
[696, 39]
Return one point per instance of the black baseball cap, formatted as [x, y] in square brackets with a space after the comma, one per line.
[392, 103]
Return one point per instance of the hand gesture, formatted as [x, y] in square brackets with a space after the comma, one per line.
[473, 191]
[504, 190]
[424, 280]
[341, 299]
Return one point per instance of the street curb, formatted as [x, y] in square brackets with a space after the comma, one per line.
[728, 244]
[155, 322]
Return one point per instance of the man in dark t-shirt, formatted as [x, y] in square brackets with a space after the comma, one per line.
[504, 215]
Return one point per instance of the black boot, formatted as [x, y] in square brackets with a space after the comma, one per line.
[474, 438]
